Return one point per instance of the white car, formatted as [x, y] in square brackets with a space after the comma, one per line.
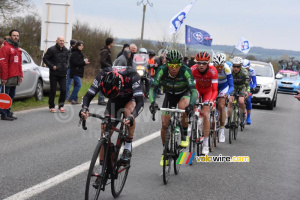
[35, 79]
[265, 92]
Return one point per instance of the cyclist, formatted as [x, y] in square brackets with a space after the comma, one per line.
[252, 80]
[122, 86]
[206, 77]
[241, 85]
[178, 83]
[225, 87]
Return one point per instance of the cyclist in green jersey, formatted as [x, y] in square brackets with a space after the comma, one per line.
[178, 83]
[241, 85]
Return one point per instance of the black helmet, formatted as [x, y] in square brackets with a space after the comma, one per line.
[151, 52]
[174, 56]
[111, 84]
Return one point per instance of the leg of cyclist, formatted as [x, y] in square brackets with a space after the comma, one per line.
[249, 108]
[222, 114]
[242, 106]
[184, 102]
[231, 98]
[128, 109]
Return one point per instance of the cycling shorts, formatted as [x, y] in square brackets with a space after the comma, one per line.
[115, 107]
[223, 92]
[206, 97]
[241, 91]
[171, 101]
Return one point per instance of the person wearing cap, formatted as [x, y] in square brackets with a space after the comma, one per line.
[69, 80]
[123, 59]
[125, 46]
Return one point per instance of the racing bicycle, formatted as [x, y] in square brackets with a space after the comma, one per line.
[113, 168]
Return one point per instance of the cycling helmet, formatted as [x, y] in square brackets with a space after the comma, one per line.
[143, 51]
[111, 84]
[151, 52]
[219, 59]
[246, 63]
[202, 56]
[236, 60]
[174, 56]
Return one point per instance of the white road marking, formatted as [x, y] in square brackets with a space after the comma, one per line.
[34, 190]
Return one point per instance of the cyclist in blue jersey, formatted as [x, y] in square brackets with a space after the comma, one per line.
[252, 80]
[225, 87]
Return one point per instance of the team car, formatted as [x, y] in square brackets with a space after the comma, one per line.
[288, 81]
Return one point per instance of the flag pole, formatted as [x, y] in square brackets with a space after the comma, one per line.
[232, 53]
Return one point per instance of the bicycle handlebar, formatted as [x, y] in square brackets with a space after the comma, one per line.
[108, 118]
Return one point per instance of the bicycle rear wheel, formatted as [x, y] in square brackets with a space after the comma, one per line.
[120, 171]
[167, 158]
[96, 180]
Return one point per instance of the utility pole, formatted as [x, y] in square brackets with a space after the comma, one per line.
[143, 22]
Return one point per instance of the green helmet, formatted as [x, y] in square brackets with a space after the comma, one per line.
[174, 56]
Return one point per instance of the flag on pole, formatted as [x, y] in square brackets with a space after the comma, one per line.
[196, 36]
[244, 45]
[177, 20]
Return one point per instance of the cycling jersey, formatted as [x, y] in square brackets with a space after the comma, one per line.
[207, 83]
[225, 80]
[131, 90]
[241, 82]
[183, 82]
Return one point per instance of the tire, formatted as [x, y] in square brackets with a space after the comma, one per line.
[275, 101]
[270, 105]
[90, 191]
[193, 136]
[231, 127]
[199, 146]
[211, 134]
[120, 171]
[237, 122]
[177, 152]
[39, 91]
[167, 158]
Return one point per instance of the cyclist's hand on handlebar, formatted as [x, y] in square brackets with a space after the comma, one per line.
[84, 112]
[153, 107]
[189, 109]
[129, 120]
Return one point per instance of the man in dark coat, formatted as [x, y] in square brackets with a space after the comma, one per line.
[105, 61]
[56, 58]
[191, 62]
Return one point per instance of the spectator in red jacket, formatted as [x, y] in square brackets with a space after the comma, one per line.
[10, 67]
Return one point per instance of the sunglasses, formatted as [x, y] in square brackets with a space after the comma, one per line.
[219, 66]
[201, 63]
[174, 66]
[236, 66]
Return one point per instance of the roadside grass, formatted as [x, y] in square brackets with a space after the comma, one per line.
[29, 103]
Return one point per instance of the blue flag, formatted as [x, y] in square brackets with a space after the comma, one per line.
[196, 36]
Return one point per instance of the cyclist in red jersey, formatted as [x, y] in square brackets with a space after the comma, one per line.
[206, 78]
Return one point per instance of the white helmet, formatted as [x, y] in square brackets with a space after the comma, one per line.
[246, 63]
[143, 51]
[236, 60]
[219, 59]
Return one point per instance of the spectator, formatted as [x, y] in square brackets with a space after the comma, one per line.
[125, 46]
[69, 80]
[185, 61]
[11, 69]
[123, 59]
[191, 62]
[56, 58]
[133, 50]
[77, 63]
[105, 61]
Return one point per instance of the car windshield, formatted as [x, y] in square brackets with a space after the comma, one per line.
[262, 70]
[290, 76]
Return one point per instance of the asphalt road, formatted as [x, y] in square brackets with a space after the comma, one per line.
[41, 145]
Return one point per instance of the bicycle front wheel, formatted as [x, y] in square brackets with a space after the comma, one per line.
[96, 179]
[211, 133]
[120, 171]
[175, 142]
[236, 128]
[193, 136]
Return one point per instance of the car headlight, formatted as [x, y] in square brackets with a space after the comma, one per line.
[140, 72]
[268, 85]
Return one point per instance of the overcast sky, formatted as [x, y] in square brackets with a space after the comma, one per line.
[265, 23]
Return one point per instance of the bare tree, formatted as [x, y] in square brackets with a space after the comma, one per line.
[9, 7]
